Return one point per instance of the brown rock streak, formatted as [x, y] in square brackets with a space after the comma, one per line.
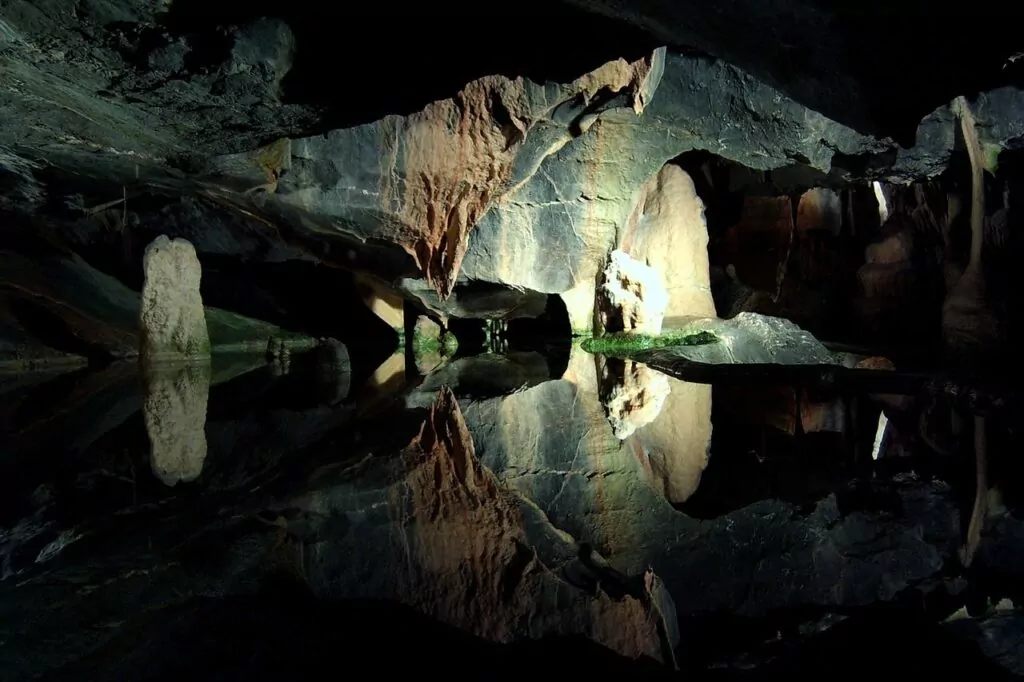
[459, 155]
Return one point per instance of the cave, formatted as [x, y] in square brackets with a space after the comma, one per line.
[676, 342]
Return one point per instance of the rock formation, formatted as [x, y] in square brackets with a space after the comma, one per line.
[455, 544]
[172, 317]
[174, 406]
[667, 231]
[633, 395]
[630, 297]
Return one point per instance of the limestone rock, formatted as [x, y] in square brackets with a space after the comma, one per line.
[172, 317]
[451, 541]
[759, 244]
[553, 444]
[673, 449]
[667, 231]
[665, 422]
[383, 301]
[632, 394]
[750, 338]
[630, 297]
[820, 208]
[174, 406]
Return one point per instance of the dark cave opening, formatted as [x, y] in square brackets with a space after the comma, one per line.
[811, 247]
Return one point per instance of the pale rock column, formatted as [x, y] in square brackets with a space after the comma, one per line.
[174, 401]
[172, 318]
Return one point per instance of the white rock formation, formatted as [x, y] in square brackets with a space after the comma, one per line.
[172, 319]
[630, 297]
[174, 407]
[633, 394]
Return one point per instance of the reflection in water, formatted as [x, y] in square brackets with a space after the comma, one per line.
[632, 394]
[174, 405]
[665, 421]
[440, 533]
[500, 495]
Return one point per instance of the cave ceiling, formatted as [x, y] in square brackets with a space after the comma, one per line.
[349, 133]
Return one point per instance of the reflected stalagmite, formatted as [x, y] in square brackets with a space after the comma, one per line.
[174, 407]
[632, 394]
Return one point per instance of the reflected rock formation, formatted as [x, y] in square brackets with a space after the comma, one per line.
[664, 421]
[554, 445]
[174, 406]
[632, 394]
[450, 540]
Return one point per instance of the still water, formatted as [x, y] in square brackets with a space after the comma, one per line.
[246, 520]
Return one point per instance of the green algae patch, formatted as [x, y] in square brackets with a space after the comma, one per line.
[625, 344]
[446, 345]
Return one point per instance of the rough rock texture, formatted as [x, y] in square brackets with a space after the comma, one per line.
[570, 177]
[455, 544]
[429, 178]
[526, 186]
[667, 231]
[172, 316]
[1000, 636]
[174, 405]
[806, 54]
[753, 338]
[478, 300]
[632, 394]
[631, 297]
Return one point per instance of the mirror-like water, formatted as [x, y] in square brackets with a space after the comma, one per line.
[240, 519]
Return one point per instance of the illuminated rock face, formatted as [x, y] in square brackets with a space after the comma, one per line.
[457, 544]
[630, 297]
[172, 317]
[667, 231]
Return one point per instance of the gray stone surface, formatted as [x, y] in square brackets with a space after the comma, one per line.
[751, 338]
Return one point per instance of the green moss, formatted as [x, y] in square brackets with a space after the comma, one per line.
[624, 344]
[447, 345]
[990, 156]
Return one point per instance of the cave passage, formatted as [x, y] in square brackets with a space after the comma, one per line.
[577, 338]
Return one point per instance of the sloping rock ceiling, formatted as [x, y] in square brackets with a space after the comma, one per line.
[374, 143]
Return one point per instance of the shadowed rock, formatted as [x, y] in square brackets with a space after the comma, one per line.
[553, 444]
